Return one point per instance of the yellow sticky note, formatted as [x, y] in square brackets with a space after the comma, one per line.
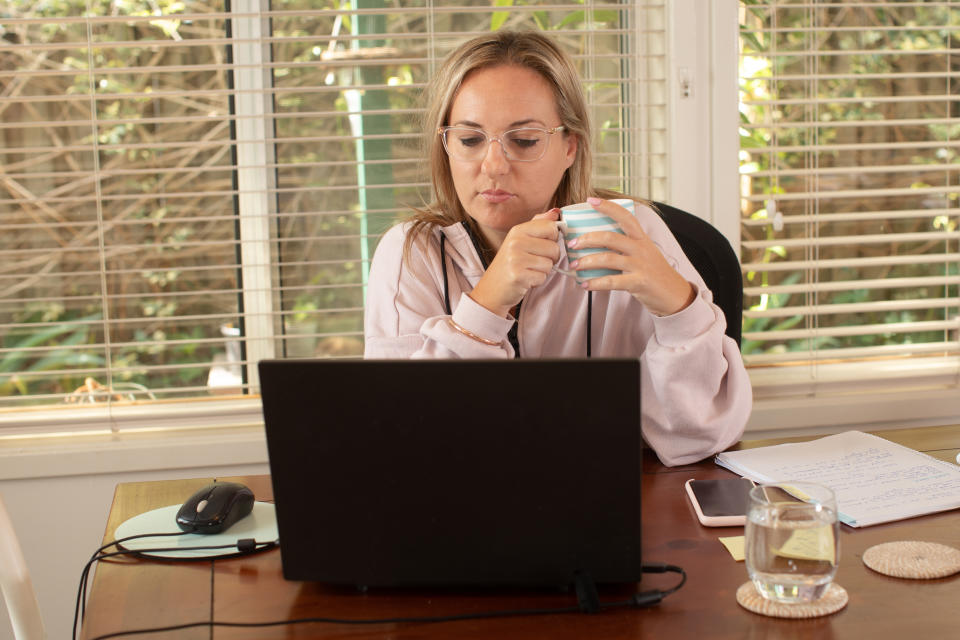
[734, 545]
[810, 544]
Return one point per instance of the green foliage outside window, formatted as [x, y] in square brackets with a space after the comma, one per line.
[884, 56]
[135, 221]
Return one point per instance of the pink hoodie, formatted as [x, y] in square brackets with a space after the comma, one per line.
[696, 395]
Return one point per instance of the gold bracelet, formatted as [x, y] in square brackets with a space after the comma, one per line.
[471, 334]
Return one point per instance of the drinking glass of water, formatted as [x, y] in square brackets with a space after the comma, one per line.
[792, 548]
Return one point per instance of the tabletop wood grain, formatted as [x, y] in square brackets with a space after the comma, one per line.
[141, 593]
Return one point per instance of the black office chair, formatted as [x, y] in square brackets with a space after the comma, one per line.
[715, 260]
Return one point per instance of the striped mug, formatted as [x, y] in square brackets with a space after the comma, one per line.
[578, 219]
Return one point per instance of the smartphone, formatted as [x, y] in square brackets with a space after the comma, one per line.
[720, 503]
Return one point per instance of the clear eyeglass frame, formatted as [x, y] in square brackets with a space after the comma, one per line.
[481, 149]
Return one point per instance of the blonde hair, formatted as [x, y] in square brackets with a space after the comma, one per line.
[531, 50]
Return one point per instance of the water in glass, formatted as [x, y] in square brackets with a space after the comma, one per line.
[791, 544]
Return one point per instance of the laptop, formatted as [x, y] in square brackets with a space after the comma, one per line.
[455, 472]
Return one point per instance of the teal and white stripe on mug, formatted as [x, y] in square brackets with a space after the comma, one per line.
[579, 219]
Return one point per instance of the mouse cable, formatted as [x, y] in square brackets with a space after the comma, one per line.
[243, 546]
[79, 610]
[638, 600]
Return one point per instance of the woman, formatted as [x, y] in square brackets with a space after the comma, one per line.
[472, 275]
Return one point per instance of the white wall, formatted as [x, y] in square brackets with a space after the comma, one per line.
[59, 500]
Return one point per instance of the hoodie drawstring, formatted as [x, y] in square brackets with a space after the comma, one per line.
[446, 293]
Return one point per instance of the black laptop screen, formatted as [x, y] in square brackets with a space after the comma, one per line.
[453, 472]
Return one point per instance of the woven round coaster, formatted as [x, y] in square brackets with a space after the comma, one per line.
[913, 559]
[834, 599]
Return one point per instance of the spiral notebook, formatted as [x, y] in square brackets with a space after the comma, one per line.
[874, 480]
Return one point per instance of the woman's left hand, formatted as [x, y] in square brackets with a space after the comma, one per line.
[646, 274]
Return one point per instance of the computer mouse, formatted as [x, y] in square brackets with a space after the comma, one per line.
[215, 508]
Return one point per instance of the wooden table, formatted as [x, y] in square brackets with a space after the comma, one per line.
[136, 594]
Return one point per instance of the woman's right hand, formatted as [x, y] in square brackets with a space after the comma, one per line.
[525, 258]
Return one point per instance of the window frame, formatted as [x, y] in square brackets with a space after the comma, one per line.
[252, 110]
[921, 392]
[702, 146]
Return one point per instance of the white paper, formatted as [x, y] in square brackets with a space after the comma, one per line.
[874, 480]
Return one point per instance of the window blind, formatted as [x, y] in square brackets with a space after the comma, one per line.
[849, 184]
[189, 187]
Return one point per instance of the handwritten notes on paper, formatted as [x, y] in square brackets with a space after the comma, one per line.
[874, 480]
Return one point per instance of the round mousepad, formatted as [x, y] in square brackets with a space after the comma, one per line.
[261, 525]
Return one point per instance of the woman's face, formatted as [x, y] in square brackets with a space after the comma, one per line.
[494, 190]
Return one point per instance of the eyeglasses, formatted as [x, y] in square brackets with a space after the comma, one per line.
[522, 145]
